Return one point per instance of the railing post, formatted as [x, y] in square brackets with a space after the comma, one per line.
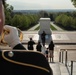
[66, 58]
[62, 55]
[59, 56]
[71, 67]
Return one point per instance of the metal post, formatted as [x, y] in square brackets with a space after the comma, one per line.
[71, 67]
[62, 55]
[59, 56]
[66, 58]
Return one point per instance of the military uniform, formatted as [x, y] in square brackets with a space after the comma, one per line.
[23, 62]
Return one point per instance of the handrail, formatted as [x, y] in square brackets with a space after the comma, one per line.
[61, 57]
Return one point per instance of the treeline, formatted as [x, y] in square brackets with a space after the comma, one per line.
[22, 21]
[66, 20]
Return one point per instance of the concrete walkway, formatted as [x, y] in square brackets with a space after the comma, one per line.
[58, 28]
[58, 67]
[33, 28]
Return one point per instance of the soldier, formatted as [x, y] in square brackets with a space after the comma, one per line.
[16, 44]
[17, 66]
[43, 37]
[12, 38]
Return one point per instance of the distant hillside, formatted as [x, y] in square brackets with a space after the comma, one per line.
[49, 10]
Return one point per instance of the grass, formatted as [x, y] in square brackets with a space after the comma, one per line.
[53, 28]
[37, 28]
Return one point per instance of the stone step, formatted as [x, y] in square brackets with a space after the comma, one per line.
[63, 69]
[69, 67]
[59, 69]
[56, 68]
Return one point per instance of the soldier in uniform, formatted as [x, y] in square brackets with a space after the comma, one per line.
[21, 62]
[43, 37]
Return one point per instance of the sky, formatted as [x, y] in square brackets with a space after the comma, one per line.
[40, 4]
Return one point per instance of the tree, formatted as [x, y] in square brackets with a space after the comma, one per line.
[8, 13]
[43, 14]
[51, 16]
[74, 2]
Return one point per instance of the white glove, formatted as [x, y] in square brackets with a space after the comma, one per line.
[12, 38]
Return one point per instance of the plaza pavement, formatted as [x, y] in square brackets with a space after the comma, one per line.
[59, 37]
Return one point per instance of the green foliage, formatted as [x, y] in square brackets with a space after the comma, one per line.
[68, 22]
[51, 16]
[52, 27]
[24, 21]
[37, 28]
[65, 19]
[59, 19]
[74, 2]
[74, 23]
[8, 13]
[73, 14]
[19, 20]
[43, 14]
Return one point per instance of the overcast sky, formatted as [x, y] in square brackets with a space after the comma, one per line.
[40, 4]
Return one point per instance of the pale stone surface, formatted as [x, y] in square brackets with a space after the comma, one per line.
[45, 26]
[60, 37]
